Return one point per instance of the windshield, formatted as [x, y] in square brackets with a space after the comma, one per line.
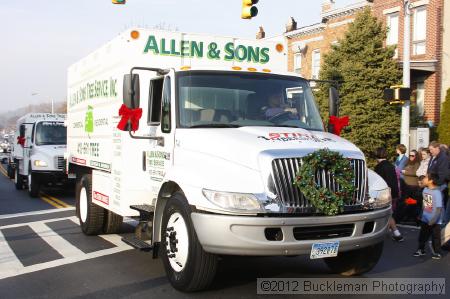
[49, 132]
[230, 99]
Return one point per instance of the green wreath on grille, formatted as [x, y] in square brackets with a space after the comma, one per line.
[323, 199]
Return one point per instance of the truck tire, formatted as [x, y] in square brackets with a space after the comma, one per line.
[188, 267]
[112, 222]
[91, 216]
[33, 185]
[355, 262]
[18, 179]
[10, 170]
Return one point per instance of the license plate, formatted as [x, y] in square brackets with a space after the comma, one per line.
[72, 176]
[322, 250]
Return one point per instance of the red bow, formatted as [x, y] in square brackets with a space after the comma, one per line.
[339, 123]
[21, 141]
[128, 114]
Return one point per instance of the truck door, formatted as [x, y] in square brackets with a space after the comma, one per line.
[24, 153]
[159, 157]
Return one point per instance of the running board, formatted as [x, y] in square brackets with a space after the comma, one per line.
[146, 212]
[137, 243]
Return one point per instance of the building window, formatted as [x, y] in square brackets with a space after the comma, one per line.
[392, 31]
[420, 30]
[420, 98]
[298, 62]
[315, 64]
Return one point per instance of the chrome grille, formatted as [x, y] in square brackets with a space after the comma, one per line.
[284, 172]
[60, 163]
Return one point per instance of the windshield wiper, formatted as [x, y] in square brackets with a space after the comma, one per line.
[215, 126]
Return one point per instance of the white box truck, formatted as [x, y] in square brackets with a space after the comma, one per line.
[200, 138]
[37, 157]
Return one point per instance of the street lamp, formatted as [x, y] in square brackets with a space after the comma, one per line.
[36, 93]
[404, 130]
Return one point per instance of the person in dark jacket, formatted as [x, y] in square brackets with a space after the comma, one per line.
[439, 165]
[387, 171]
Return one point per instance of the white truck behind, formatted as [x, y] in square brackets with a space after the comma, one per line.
[204, 166]
[37, 157]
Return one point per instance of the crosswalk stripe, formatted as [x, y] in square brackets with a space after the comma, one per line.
[46, 221]
[56, 241]
[11, 266]
[8, 260]
[34, 213]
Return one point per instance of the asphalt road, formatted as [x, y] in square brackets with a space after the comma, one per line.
[43, 254]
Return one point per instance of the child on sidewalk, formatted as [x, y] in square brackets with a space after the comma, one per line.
[431, 219]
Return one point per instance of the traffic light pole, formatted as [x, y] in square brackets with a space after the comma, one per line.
[404, 131]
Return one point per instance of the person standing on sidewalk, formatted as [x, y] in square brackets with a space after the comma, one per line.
[387, 171]
[424, 161]
[431, 219]
[439, 165]
[401, 160]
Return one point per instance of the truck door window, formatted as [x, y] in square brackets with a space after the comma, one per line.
[154, 104]
[165, 119]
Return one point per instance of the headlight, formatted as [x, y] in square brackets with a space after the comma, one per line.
[40, 163]
[381, 198]
[233, 201]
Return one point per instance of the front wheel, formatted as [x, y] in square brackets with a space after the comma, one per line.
[188, 266]
[18, 179]
[91, 216]
[10, 171]
[355, 262]
[33, 185]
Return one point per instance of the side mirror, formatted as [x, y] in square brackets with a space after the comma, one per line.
[131, 91]
[22, 131]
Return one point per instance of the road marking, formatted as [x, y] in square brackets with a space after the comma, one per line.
[58, 201]
[54, 240]
[50, 202]
[34, 213]
[8, 260]
[11, 266]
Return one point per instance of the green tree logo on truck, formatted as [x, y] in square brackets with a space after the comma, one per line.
[89, 120]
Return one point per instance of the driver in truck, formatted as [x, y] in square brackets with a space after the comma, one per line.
[275, 108]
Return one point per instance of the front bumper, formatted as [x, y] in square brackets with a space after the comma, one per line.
[55, 178]
[241, 235]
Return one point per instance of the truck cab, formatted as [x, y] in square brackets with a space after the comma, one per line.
[38, 155]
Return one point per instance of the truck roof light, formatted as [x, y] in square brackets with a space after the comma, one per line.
[236, 68]
[266, 70]
[134, 34]
[185, 68]
[279, 48]
[251, 69]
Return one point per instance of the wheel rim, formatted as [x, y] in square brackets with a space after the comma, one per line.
[83, 204]
[177, 242]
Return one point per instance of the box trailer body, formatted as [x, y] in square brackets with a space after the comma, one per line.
[207, 151]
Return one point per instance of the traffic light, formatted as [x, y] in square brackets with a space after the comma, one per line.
[397, 94]
[248, 9]
[118, 1]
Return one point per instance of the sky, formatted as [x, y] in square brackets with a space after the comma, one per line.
[41, 39]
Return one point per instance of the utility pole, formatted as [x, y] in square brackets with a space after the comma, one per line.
[404, 131]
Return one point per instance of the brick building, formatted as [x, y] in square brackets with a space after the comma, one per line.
[426, 48]
[306, 45]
